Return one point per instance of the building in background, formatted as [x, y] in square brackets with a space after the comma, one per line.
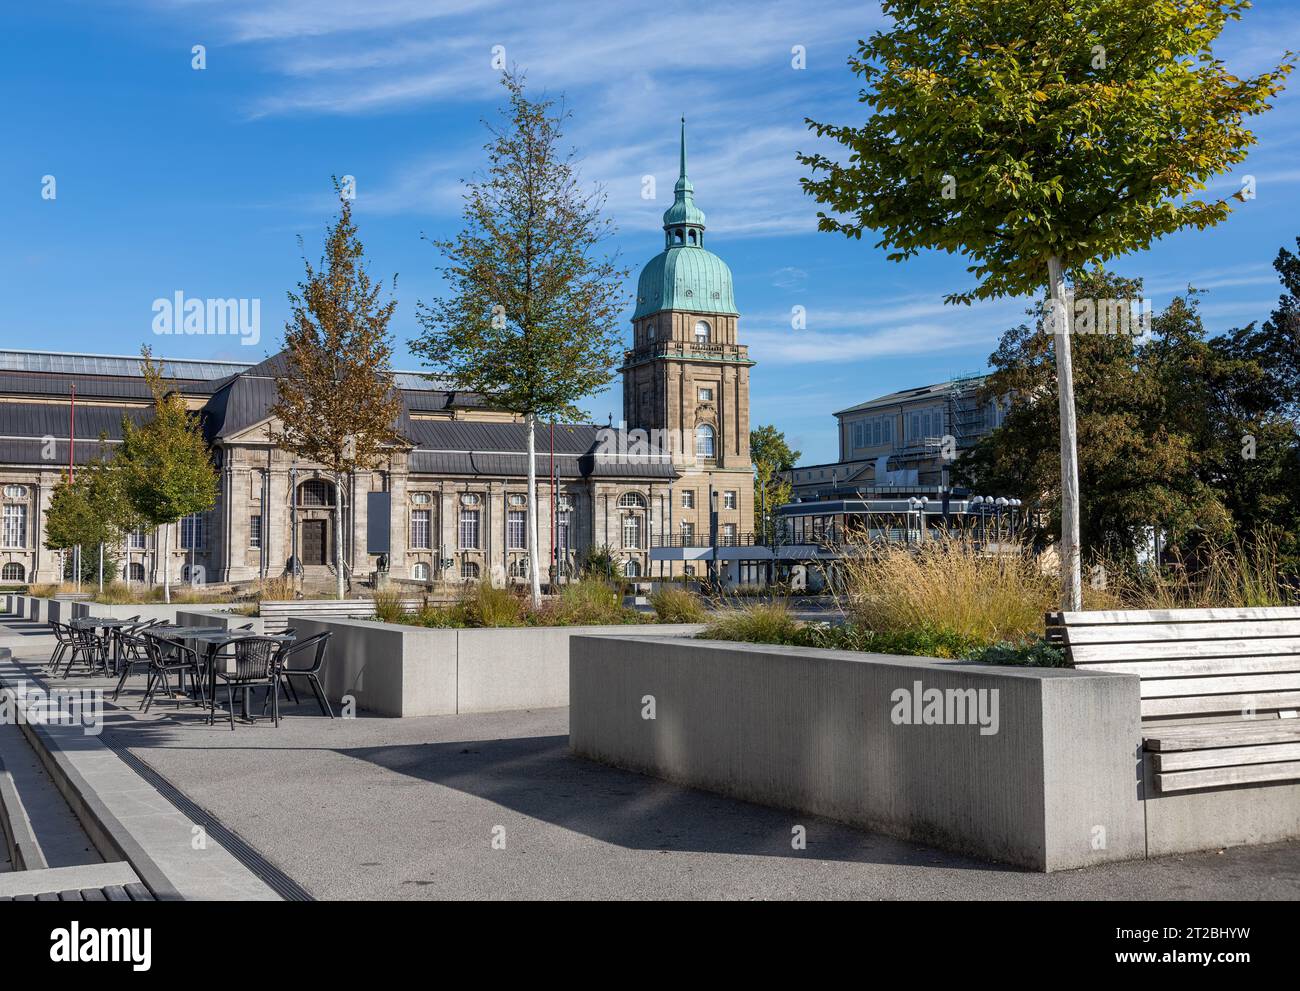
[662, 492]
[906, 439]
[449, 502]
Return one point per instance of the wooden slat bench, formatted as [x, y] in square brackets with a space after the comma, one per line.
[1220, 688]
[276, 613]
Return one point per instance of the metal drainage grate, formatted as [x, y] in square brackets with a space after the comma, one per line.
[285, 886]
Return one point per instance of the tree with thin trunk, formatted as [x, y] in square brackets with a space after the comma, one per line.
[1034, 137]
[87, 512]
[531, 320]
[166, 470]
[772, 458]
[338, 405]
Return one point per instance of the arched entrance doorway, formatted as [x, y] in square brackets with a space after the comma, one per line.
[315, 509]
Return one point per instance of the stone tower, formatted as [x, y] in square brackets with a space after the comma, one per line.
[687, 376]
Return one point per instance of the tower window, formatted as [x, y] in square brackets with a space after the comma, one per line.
[678, 236]
[704, 436]
[702, 331]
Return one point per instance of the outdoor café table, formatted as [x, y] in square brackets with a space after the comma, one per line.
[104, 623]
[215, 641]
[170, 631]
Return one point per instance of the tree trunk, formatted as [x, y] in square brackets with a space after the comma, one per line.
[1071, 573]
[534, 574]
[167, 562]
[101, 569]
[338, 535]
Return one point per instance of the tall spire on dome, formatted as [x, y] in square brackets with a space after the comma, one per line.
[684, 221]
[681, 177]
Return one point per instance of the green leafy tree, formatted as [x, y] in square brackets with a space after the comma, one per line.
[337, 403]
[1034, 137]
[1140, 457]
[166, 471]
[87, 512]
[772, 457]
[531, 320]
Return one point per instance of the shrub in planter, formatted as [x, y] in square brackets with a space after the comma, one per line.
[678, 605]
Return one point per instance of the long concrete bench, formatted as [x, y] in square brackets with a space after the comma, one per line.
[1220, 688]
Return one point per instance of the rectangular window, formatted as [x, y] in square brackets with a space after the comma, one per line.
[727, 538]
[137, 539]
[469, 529]
[562, 529]
[15, 525]
[632, 531]
[729, 499]
[688, 534]
[705, 395]
[192, 532]
[860, 434]
[255, 530]
[420, 529]
[688, 499]
[517, 530]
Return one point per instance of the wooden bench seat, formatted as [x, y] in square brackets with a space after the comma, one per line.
[1220, 688]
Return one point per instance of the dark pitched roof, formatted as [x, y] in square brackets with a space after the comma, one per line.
[466, 447]
[37, 420]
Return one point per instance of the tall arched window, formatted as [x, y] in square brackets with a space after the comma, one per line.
[632, 568]
[704, 436]
[135, 572]
[702, 331]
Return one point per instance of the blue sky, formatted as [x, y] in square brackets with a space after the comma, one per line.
[171, 179]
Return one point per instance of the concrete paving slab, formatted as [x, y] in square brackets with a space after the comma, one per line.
[408, 809]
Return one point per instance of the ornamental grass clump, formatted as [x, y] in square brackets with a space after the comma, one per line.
[589, 602]
[947, 586]
[678, 605]
[758, 622]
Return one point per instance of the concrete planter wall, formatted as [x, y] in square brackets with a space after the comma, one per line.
[145, 610]
[225, 620]
[1057, 785]
[395, 670]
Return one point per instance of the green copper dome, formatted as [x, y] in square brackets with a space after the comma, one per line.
[684, 276]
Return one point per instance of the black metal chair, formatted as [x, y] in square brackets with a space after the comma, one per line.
[63, 636]
[179, 660]
[254, 663]
[134, 655]
[87, 647]
[319, 643]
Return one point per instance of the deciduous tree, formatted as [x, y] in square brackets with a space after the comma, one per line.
[1034, 137]
[337, 404]
[531, 318]
[166, 470]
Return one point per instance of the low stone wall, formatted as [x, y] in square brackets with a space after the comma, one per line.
[125, 610]
[396, 670]
[1034, 767]
[225, 620]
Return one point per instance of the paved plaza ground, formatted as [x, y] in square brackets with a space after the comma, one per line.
[408, 809]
